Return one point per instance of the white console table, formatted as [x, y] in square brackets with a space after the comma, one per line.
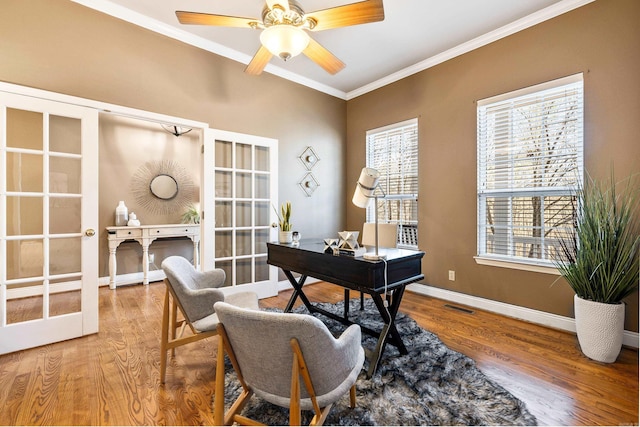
[145, 235]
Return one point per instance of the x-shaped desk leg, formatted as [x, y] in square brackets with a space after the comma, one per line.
[297, 291]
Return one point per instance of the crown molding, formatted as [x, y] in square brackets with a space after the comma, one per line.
[502, 32]
[128, 15]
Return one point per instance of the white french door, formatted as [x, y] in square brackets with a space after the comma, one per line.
[240, 183]
[48, 217]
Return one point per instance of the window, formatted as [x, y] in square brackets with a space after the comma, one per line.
[530, 160]
[393, 151]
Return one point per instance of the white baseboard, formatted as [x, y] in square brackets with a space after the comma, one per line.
[131, 278]
[630, 338]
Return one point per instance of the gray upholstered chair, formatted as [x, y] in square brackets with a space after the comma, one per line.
[271, 351]
[194, 293]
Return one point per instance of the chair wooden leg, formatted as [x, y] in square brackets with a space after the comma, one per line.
[218, 405]
[352, 396]
[165, 337]
[294, 407]
[173, 323]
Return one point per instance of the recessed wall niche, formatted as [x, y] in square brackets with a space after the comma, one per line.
[126, 144]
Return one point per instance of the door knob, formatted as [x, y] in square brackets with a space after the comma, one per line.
[90, 232]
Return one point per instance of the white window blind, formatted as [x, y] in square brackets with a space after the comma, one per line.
[530, 160]
[393, 151]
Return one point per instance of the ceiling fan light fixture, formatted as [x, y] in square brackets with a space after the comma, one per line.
[285, 41]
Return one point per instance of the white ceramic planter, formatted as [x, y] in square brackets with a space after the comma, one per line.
[285, 237]
[600, 328]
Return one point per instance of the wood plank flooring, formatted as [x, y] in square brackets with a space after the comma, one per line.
[112, 378]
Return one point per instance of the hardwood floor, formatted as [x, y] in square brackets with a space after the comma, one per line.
[112, 378]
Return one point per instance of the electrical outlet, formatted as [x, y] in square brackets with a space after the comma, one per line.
[452, 275]
[152, 258]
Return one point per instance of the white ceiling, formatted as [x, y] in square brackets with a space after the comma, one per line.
[415, 34]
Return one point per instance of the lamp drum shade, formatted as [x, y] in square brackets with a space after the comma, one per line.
[366, 186]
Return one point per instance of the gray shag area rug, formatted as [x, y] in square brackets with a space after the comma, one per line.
[432, 385]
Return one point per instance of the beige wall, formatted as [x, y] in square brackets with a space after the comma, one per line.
[60, 46]
[602, 40]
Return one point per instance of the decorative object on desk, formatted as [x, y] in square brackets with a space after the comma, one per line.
[162, 187]
[309, 158]
[122, 214]
[309, 184]
[432, 385]
[366, 190]
[599, 260]
[176, 130]
[133, 220]
[348, 244]
[330, 244]
[295, 236]
[192, 215]
[284, 218]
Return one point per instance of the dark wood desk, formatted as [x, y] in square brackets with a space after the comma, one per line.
[309, 259]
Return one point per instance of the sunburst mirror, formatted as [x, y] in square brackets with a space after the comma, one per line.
[162, 187]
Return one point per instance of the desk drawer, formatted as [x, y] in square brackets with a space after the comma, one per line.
[132, 234]
[172, 231]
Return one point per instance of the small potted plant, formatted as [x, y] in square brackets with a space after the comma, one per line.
[600, 262]
[191, 216]
[284, 217]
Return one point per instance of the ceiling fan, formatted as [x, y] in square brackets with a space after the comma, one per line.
[284, 28]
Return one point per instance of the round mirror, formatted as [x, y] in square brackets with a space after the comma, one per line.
[164, 187]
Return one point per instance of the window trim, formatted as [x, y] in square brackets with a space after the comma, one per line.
[509, 261]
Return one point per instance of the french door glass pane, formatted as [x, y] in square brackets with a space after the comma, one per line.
[223, 243]
[24, 172]
[243, 185]
[25, 309]
[243, 214]
[24, 216]
[223, 214]
[25, 258]
[227, 267]
[243, 242]
[64, 215]
[262, 269]
[223, 154]
[262, 186]
[64, 175]
[65, 255]
[65, 134]
[243, 269]
[243, 156]
[223, 184]
[262, 213]
[65, 302]
[262, 237]
[262, 159]
[24, 129]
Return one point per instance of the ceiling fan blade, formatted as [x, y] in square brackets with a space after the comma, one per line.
[283, 3]
[362, 12]
[209, 19]
[259, 61]
[321, 56]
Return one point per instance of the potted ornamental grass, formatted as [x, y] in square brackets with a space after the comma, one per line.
[284, 222]
[600, 259]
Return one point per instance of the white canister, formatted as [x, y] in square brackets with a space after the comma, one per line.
[122, 214]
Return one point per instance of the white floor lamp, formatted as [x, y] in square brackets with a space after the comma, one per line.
[366, 191]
